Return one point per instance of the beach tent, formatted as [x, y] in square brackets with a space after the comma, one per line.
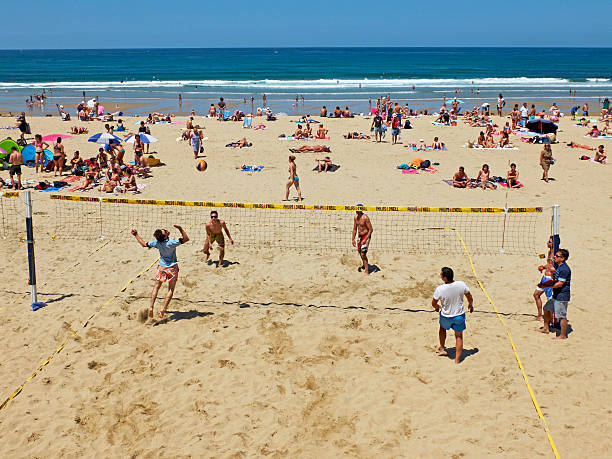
[7, 144]
[3, 154]
[542, 126]
[248, 120]
[29, 153]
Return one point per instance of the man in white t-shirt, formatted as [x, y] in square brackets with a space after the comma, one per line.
[452, 314]
[524, 114]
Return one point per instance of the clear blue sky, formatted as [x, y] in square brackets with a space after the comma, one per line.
[170, 24]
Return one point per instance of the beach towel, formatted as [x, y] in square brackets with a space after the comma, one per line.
[414, 148]
[291, 138]
[598, 137]
[259, 126]
[248, 120]
[53, 137]
[226, 115]
[494, 148]
[304, 122]
[251, 168]
[429, 170]
[331, 168]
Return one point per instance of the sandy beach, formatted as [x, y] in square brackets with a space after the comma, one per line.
[295, 353]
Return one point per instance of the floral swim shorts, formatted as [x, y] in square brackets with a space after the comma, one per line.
[167, 274]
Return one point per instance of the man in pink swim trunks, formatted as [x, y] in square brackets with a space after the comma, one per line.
[362, 227]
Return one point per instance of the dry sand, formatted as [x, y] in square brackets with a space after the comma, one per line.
[296, 354]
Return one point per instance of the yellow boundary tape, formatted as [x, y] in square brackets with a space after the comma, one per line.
[516, 355]
[61, 346]
[153, 202]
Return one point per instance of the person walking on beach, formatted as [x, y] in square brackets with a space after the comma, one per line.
[167, 269]
[546, 159]
[362, 227]
[264, 100]
[560, 284]
[452, 313]
[293, 179]
[214, 233]
[377, 126]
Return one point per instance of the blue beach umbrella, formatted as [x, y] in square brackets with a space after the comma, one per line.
[104, 138]
[146, 138]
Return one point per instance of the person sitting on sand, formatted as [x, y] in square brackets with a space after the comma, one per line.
[421, 145]
[78, 130]
[321, 132]
[323, 111]
[512, 177]
[460, 179]
[481, 140]
[489, 142]
[606, 129]
[347, 113]
[437, 145]
[307, 134]
[76, 163]
[299, 133]
[600, 156]
[102, 158]
[242, 143]
[504, 142]
[483, 178]
[337, 112]
[311, 148]
[130, 183]
[594, 132]
[323, 163]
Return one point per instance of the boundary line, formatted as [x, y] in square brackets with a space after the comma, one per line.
[75, 333]
[514, 349]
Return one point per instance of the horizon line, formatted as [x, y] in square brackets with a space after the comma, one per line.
[306, 47]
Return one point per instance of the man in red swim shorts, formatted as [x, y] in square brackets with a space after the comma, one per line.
[363, 227]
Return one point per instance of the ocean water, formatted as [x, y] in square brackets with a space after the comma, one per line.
[421, 77]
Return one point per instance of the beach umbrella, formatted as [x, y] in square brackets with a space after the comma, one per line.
[53, 137]
[146, 138]
[541, 126]
[104, 138]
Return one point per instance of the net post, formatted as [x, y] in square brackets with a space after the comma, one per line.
[31, 261]
[555, 228]
[101, 222]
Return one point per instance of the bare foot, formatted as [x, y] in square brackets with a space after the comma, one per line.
[161, 313]
[543, 330]
[207, 255]
[560, 337]
[540, 318]
[441, 351]
[150, 313]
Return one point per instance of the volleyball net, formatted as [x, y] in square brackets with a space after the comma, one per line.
[290, 226]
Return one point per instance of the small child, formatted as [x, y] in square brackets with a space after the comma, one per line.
[548, 271]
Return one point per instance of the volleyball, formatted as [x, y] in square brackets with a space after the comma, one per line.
[201, 165]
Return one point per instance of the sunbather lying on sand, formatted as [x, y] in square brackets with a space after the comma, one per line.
[239, 143]
[356, 135]
[311, 148]
[577, 145]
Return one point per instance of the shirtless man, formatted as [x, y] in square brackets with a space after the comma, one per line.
[321, 132]
[311, 148]
[15, 160]
[483, 178]
[481, 140]
[298, 134]
[214, 233]
[337, 112]
[324, 112]
[460, 179]
[362, 227]
[512, 177]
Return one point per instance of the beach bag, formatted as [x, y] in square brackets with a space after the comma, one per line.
[425, 164]
[28, 130]
[59, 184]
[407, 125]
[42, 186]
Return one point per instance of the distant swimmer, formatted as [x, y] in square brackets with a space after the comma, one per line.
[214, 233]
[362, 227]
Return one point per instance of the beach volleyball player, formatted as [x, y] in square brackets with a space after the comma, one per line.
[214, 233]
[362, 227]
[167, 269]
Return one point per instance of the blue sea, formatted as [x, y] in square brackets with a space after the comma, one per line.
[420, 77]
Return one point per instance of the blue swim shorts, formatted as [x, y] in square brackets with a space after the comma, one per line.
[395, 131]
[457, 323]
